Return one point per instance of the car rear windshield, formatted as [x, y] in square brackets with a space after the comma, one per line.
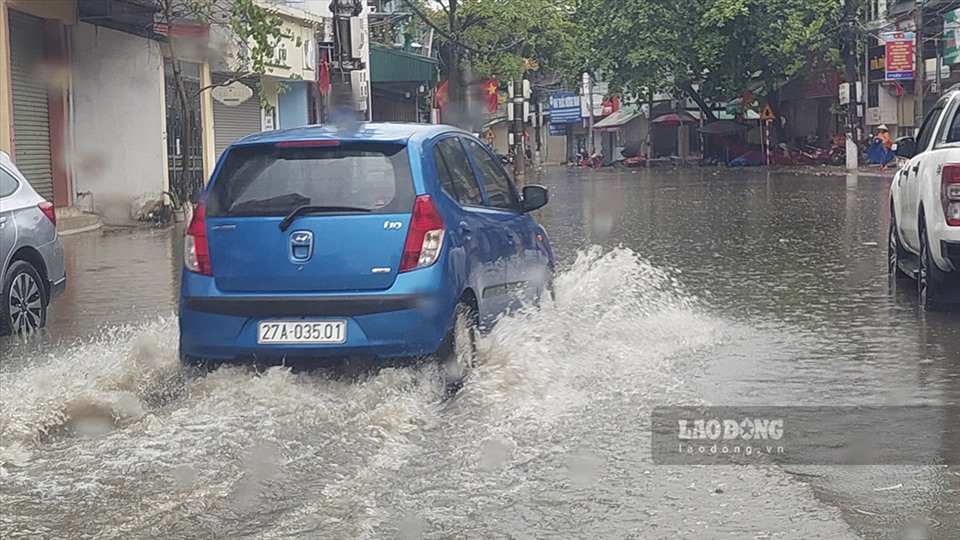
[273, 181]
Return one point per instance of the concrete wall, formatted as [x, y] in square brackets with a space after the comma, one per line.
[119, 119]
[553, 149]
[292, 107]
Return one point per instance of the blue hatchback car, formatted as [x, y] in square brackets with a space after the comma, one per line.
[392, 240]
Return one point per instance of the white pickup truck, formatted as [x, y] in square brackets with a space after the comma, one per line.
[924, 240]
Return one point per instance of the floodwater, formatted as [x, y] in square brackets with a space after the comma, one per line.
[676, 287]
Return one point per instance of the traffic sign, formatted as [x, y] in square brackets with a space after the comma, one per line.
[490, 135]
[767, 113]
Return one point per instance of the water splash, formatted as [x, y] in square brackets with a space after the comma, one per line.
[552, 419]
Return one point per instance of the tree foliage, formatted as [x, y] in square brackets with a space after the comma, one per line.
[256, 30]
[504, 38]
[721, 44]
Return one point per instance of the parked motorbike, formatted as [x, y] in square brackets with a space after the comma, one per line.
[595, 160]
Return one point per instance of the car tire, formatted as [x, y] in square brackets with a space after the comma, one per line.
[895, 251]
[550, 287]
[930, 277]
[458, 353]
[24, 302]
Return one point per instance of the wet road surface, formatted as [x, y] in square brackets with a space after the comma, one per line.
[689, 287]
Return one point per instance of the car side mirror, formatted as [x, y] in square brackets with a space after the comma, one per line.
[906, 147]
[534, 197]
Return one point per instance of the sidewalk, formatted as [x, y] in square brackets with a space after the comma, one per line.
[73, 220]
[833, 170]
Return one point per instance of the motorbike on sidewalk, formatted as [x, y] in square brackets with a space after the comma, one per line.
[594, 161]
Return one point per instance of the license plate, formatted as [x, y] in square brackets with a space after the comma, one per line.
[282, 332]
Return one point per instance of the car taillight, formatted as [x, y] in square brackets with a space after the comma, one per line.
[424, 237]
[950, 182]
[196, 253]
[47, 209]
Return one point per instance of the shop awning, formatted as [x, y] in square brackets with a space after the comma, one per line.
[392, 65]
[618, 119]
[750, 114]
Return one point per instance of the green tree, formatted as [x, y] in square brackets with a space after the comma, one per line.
[503, 38]
[256, 31]
[721, 44]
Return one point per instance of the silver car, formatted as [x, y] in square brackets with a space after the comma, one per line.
[31, 256]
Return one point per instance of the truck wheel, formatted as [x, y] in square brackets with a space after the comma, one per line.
[931, 278]
[895, 251]
[23, 309]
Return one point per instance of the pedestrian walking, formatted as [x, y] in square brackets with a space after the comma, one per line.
[886, 143]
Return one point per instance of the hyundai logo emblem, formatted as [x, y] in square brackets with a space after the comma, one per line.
[301, 246]
[301, 238]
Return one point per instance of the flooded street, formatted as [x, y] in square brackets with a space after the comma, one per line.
[687, 287]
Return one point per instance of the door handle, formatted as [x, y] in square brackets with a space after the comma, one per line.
[916, 168]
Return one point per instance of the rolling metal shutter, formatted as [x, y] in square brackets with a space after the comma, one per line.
[236, 122]
[31, 115]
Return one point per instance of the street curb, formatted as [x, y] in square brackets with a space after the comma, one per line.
[79, 223]
[89, 228]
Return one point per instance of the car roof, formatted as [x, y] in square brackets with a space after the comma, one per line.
[398, 132]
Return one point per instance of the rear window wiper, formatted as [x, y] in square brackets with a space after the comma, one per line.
[308, 208]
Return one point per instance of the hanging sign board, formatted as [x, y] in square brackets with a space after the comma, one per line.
[232, 94]
[564, 108]
[899, 56]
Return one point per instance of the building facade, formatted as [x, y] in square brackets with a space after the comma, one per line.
[90, 108]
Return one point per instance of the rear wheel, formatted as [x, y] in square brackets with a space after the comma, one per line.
[458, 354]
[24, 307]
[895, 251]
[930, 277]
[199, 365]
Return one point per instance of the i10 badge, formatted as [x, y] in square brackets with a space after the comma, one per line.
[393, 225]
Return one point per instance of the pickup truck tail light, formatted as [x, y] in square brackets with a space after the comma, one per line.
[950, 182]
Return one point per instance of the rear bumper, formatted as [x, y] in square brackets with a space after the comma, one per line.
[411, 319]
[57, 288]
[303, 306]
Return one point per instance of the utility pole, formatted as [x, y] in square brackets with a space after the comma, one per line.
[345, 88]
[588, 90]
[520, 91]
[919, 75]
[649, 127]
[850, 57]
[538, 126]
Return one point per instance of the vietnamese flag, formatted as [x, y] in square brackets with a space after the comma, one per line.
[490, 94]
[323, 77]
[442, 98]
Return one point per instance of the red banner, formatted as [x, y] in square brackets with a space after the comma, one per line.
[199, 32]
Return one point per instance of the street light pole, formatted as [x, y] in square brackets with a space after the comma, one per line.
[919, 74]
